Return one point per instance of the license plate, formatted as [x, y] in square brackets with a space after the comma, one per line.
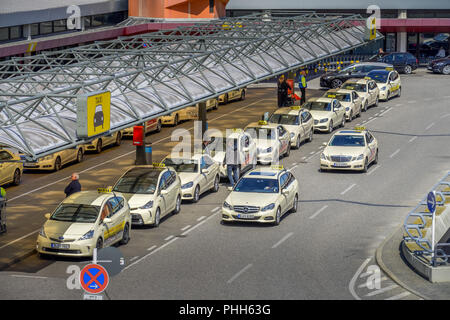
[246, 216]
[60, 246]
[341, 164]
[30, 164]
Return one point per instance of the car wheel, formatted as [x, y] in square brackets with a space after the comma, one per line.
[288, 150]
[388, 96]
[175, 121]
[225, 100]
[80, 155]
[118, 139]
[359, 113]
[157, 217]
[99, 146]
[408, 69]
[295, 205]
[216, 105]
[298, 142]
[376, 102]
[99, 244]
[336, 83]
[243, 95]
[375, 161]
[277, 217]
[16, 178]
[216, 184]
[366, 165]
[126, 235]
[343, 122]
[365, 106]
[399, 94]
[177, 205]
[330, 127]
[351, 116]
[311, 134]
[446, 69]
[196, 194]
[58, 164]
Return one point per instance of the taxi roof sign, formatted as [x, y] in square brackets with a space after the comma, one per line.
[262, 122]
[389, 69]
[295, 108]
[367, 78]
[360, 128]
[331, 95]
[104, 190]
[236, 130]
[277, 167]
[158, 165]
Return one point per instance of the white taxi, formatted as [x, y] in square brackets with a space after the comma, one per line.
[188, 113]
[366, 88]
[198, 174]
[232, 95]
[98, 144]
[150, 126]
[262, 195]
[299, 122]
[328, 113]
[349, 99]
[388, 81]
[272, 141]
[54, 161]
[84, 221]
[350, 150]
[11, 167]
[151, 191]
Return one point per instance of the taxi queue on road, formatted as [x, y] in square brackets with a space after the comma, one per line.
[144, 194]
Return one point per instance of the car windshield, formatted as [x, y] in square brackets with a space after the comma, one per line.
[360, 87]
[73, 212]
[379, 77]
[345, 97]
[141, 181]
[261, 133]
[288, 119]
[257, 185]
[182, 165]
[347, 141]
[318, 106]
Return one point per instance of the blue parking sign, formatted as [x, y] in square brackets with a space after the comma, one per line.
[431, 201]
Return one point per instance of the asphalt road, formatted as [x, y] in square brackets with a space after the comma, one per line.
[321, 252]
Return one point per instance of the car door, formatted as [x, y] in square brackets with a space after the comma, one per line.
[290, 186]
[209, 166]
[371, 86]
[284, 138]
[163, 198]
[284, 197]
[251, 149]
[336, 115]
[356, 101]
[7, 167]
[395, 82]
[118, 216]
[304, 127]
[371, 144]
[203, 172]
[109, 210]
[171, 191]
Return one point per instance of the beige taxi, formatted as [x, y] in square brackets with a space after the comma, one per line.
[388, 82]
[299, 122]
[11, 167]
[198, 174]
[366, 88]
[152, 193]
[188, 113]
[349, 99]
[233, 95]
[98, 144]
[328, 113]
[273, 141]
[55, 161]
[84, 221]
[350, 150]
[153, 125]
[262, 195]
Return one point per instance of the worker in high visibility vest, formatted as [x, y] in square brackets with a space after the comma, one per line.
[302, 86]
[2, 193]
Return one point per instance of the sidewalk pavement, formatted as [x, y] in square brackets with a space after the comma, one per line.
[390, 259]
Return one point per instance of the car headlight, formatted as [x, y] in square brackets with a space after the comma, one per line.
[347, 108]
[228, 206]
[148, 205]
[268, 207]
[46, 158]
[360, 157]
[187, 185]
[42, 233]
[292, 135]
[323, 120]
[88, 235]
[439, 63]
[383, 88]
[323, 157]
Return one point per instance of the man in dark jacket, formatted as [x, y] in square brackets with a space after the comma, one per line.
[73, 186]
[282, 91]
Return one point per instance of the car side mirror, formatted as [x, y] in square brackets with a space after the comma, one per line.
[324, 144]
[245, 149]
[47, 216]
[164, 192]
[107, 220]
[230, 188]
[285, 192]
[205, 170]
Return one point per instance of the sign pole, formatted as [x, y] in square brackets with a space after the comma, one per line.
[431, 204]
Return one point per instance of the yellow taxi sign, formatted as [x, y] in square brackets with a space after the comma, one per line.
[93, 113]
[367, 78]
[158, 165]
[104, 190]
[277, 167]
[389, 69]
[360, 128]
[262, 122]
[331, 96]
[236, 130]
[295, 108]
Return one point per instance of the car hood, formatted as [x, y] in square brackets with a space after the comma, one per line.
[440, 60]
[55, 228]
[263, 143]
[317, 115]
[138, 200]
[186, 177]
[219, 156]
[251, 199]
[343, 151]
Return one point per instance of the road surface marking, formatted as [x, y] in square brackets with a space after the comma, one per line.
[134, 258]
[386, 111]
[239, 273]
[169, 237]
[149, 254]
[187, 227]
[364, 285]
[382, 290]
[318, 211]
[201, 218]
[373, 170]
[447, 115]
[395, 152]
[412, 139]
[399, 104]
[399, 296]
[429, 126]
[412, 101]
[14, 241]
[282, 240]
[428, 99]
[33, 277]
[312, 152]
[351, 285]
[215, 209]
[370, 118]
[369, 121]
[198, 225]
[151, 248]
[348, 189]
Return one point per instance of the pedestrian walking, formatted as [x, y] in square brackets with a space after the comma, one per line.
[282, 91]
[302, 84]
[232, 161]
[74, 185]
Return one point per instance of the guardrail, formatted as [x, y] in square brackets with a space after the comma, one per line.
[418, 221]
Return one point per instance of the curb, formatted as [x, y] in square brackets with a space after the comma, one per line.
[18, 259]
[391, 275]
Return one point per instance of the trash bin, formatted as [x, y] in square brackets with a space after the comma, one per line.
[148, 153]
[2, 215]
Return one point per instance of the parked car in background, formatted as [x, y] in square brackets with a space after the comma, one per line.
[150, 126]
[403, 62]
[440, 65]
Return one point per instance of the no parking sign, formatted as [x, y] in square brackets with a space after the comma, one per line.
[94, 278]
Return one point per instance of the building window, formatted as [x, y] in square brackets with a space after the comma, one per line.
[34, 29]
[4, 34]
[87, 22]
[98, 21]
[211, 6]
[45, 27]
[59, 25]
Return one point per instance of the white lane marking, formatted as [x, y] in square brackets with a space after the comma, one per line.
[373, 170]
[318, 211]
[412, 139]
[429, 126]
[293, 168]
[169, 237]
[201, 218]
[151, 248]
[428, 99]
[32, 277]
[445, 116]
[399, 104]
[412, 101]
[399, 296]
[294, 164]
[348, 189]
[351, 285]
[382, 290]
[282, 240]
[198, 224]
[364, 285]
[134, 258]
[14, 241]
[215, 209]
[395, 152]
[369, 121]
[376, 114]
[386, 111]
[149, 254]
[239, 273]
[312, 152]
[370, 118]
[187, 227]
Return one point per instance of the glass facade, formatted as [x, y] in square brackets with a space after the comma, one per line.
[425, 45]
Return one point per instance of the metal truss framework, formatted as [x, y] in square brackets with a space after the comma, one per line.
[153, 74]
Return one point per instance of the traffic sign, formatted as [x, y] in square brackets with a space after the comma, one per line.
[94, 278]
[431, 201]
